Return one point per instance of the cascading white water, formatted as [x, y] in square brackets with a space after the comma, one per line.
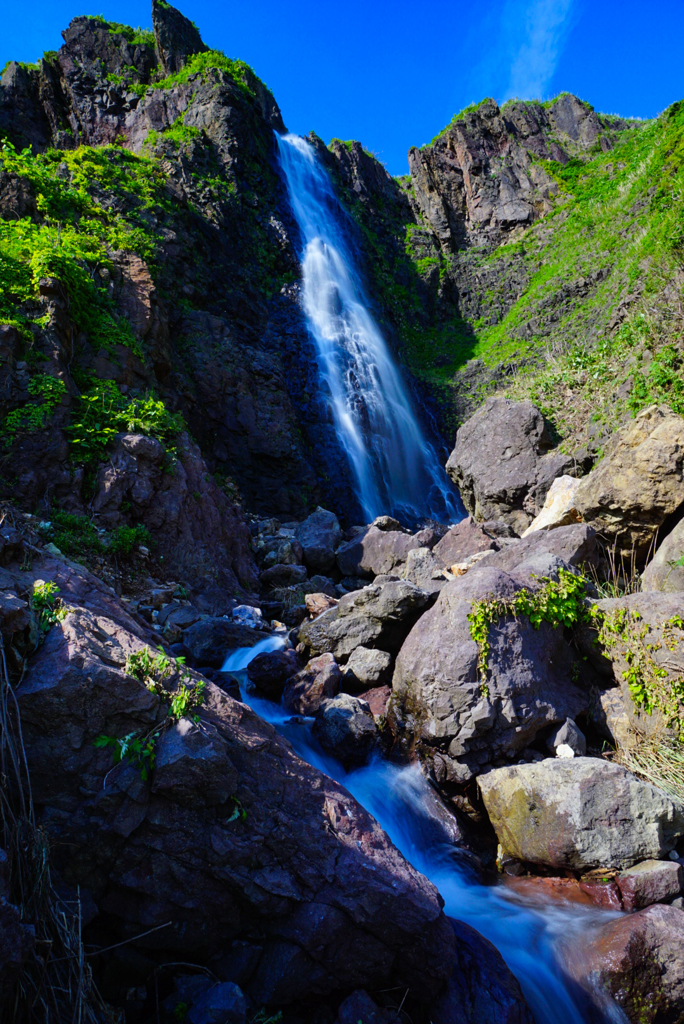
[395, 468]
[527, 937]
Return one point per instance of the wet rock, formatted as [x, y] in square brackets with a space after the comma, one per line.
[345, 727]
[283, 576]
[502, 462]
[481, 989]
[625, 497]
[652, 881]
[209, 641]
[379, 551]
[568, 735]
[438, 698]
[662, 573]
[320, 535]
[221, 1003]
[542, 891]
[268, 672]
[638, 961]
[366, 668]
[379, 614]
[316, 682]
[579, 813]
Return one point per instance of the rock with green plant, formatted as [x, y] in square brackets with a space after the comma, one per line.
[136, 760]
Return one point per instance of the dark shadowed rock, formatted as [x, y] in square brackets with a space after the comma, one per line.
[283, 575]
[381, 613]
[176, 36]
[303, 859]
[481, 989]
[360, 1007]
[579, 813]
[345, 727]
[316, 682]
[320, 535]
[502, 462]
[209, 641]
[221, 1003]
[269, 671]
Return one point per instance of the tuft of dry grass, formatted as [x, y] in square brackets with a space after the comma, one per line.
[660, 763]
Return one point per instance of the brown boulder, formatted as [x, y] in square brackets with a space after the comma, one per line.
[637, 960]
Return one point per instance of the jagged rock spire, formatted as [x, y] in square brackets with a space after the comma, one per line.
[176, 36]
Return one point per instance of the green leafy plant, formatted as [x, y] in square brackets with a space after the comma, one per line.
[132, 749]
[47, 604]
[30, 418]
[559, 602]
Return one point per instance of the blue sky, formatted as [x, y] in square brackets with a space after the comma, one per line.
[392, 73]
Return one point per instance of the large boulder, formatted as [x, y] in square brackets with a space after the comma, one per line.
[320, 536]
[268, 672]
[559, 506]
[482, 989]
[636, 961]
[379, 615]
[463, 540]
[575, 545]
[502, 462]
[378, 551]
[579, 813]
[231, 836]
[366, 668]
[460, 723]
[662, 572]
[425, 569]
[638, 482]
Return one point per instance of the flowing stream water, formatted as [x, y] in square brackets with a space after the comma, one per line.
[528, 937]
[395, 469]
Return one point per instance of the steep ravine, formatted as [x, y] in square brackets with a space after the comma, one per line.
[259, 762]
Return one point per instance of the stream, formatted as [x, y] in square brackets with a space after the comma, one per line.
[527, 936]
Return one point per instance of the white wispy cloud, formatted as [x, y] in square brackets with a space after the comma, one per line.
[536, 30]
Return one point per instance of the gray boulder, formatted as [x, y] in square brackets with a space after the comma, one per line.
[381, 614]
[652, 881]
[579, 813]
[422, 568]
[316, 682]
[377, 551]
[463, 540]
[320, 535]
[662, 573]
[345, 727]
[502, 462]
[439, 702]
[575, 545]
[366, 669]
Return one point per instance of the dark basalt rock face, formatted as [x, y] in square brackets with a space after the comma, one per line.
[177, 38]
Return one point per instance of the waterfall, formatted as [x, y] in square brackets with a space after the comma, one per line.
[531, 940]
[394, 467]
